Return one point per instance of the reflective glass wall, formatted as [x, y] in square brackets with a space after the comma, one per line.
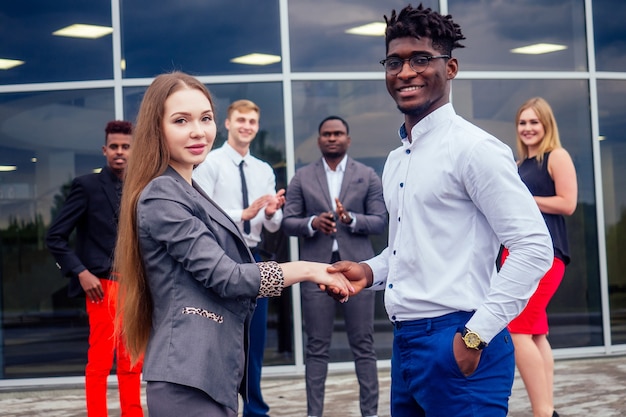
[300, 60]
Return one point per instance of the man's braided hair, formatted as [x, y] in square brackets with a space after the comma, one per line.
[420, 22]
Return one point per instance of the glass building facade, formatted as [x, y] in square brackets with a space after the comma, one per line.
[57, 93]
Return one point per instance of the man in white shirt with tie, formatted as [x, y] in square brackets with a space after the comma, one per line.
[253, 203]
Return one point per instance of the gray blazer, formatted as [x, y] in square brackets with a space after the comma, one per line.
[308, 195]
[203, 282]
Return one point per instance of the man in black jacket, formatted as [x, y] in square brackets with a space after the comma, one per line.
[91, 208]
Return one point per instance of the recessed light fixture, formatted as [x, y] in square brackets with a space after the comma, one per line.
[33, 159]
[96, 170]
[539, 48]
[6, 64]
[256, 59]
[370, 29]
[79, 30]
[601, 138]
[7, 168]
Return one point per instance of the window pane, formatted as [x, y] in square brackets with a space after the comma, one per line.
[493, 31]
[26, 33]
[318, 37]
[613, 152]
[574, 313]
[49, 138]
[198, 38]
[609, 34]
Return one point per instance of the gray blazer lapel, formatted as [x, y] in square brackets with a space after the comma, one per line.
[320, 173]
[347, 179]
[217, 214]
[213, 210]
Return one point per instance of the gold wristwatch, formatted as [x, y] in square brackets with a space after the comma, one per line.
[472, 340]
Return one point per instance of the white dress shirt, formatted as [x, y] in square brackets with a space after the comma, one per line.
[453, 196]
[219, 177]
[334, 179]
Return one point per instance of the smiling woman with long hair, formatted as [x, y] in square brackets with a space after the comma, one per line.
[188, 282]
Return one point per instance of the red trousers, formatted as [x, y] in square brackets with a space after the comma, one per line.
[102, 348]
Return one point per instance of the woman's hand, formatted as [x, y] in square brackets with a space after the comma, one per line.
[340, 290]
[334, 283]
[360, 275]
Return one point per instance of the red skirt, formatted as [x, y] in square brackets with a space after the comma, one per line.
[534, 319]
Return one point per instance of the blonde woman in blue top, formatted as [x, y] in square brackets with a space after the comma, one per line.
[548, 171]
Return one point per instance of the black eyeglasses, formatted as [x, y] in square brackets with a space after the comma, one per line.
[393, 65]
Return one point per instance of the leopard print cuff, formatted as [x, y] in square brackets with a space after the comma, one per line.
[272, 279]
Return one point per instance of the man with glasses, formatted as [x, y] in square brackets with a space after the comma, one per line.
[453, 195]
[333, 205]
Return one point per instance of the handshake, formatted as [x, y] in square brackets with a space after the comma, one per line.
[348, 278]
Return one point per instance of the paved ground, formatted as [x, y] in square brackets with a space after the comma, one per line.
[583, 387]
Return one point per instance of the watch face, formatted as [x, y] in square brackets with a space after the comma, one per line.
[472, 340]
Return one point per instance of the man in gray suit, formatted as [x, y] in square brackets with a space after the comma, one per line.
[333, 205]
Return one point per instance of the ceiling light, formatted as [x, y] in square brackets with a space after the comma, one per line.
[539, 48]
[6, 64]
[7, 168]
[96, 170]
[256, 59]
[601, 138]
[371, 29]
[84, 31]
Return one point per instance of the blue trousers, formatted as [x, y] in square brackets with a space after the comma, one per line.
[256, 407]
[426, 380]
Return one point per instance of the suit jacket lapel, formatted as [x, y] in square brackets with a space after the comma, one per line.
[213, 210]
[320, 173]
[220, 216]
[109, 189]
[347, 179]
[217, 213]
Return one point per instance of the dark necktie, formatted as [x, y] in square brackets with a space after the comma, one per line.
[244, 192]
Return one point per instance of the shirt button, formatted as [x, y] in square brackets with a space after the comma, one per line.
[408, 151]
[401, 184]
[390, 286]
[398, 218]
[393, 317]
[394, 251]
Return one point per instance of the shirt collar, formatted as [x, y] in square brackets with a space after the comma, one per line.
[442, 113]
[108, 171]
[234, 155]
[341, 167]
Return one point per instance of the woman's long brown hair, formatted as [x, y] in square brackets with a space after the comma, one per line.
[149, 158]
